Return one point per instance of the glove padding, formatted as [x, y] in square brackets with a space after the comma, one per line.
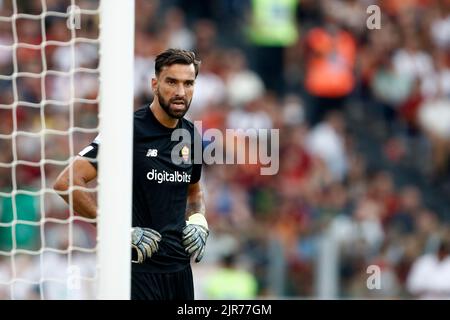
[195, 234]
[145, 242]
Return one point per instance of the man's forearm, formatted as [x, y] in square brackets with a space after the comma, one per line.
[78, 174]
[196, 230]
[195, 204]
[83, 202]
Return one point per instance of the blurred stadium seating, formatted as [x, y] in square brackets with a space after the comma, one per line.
[364, 133]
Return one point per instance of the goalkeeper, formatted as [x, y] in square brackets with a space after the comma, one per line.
[169, 226]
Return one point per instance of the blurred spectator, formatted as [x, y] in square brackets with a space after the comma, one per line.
[330, 62]
[293, 110]
[437, 83]
[440, 26]
[411, 61]
[179, 36]
[252, 116]
[367, 226]
[430, 274]
[391, 88]
[350, 14]
[434, 118]
[381, 189]
[404, 219]
[230, 282]
[272, 27]
[243, 85]
[326, 141]
[210, 89]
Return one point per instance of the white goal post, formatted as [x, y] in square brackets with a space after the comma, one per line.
[115, 152]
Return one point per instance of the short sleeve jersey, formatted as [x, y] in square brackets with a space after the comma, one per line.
[160, 185]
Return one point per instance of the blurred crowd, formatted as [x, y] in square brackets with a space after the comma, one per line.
[364, 120]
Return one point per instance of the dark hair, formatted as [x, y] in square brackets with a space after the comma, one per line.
[175, 56]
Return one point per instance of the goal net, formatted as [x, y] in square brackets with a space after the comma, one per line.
[54, 88]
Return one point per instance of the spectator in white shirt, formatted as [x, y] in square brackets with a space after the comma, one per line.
[429, 277]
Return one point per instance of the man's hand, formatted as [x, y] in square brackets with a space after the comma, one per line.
[145, 241]
[194, 235]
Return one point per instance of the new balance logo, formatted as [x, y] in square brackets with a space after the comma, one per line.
[152, 153]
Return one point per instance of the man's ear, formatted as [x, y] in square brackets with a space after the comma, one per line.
[154, 84]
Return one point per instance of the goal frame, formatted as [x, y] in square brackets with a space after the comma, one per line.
[115, 152]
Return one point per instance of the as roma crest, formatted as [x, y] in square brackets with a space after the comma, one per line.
[185, 152]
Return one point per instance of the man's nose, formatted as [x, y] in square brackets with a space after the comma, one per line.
[180, 90]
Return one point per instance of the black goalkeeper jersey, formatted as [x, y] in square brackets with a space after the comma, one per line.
[160, 186]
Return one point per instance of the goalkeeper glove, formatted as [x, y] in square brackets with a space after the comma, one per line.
[195, 234]
[145, 242]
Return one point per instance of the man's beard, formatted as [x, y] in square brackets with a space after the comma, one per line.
[176, 114]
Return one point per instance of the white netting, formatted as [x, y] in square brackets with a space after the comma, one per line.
[48, 112]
